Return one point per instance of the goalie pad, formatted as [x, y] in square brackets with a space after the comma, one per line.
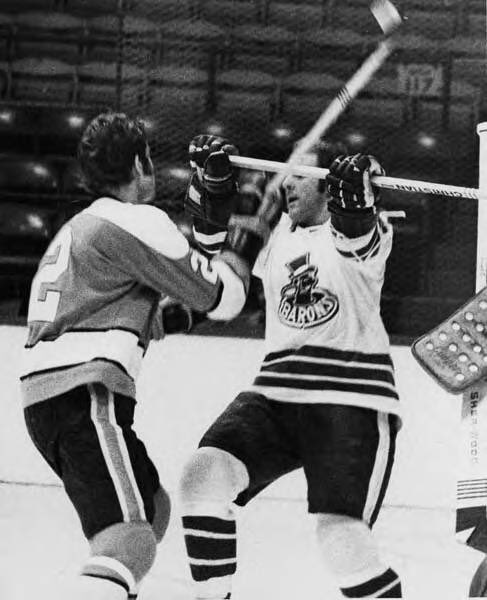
[455, 352]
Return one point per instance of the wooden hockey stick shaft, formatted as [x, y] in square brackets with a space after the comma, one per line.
[391, 183]
[389, 20]
[336, 107]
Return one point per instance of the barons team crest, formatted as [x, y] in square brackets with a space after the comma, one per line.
[303, 304]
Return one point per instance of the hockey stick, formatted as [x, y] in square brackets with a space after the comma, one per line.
[391, 183]
[389, 20]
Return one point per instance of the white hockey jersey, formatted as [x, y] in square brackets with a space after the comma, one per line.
[96, 292]
[325, 340]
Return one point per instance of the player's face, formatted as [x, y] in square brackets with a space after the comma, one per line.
[146, 185]
[306, 205]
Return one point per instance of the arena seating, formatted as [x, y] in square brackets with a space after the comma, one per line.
[41, 79]
[293, 16]
[191, 43]
[88, 8]
[332, 50]
[14, 6]
[6, 31]
[261, 70]
[249, 98]
[48, 34]
[304, 95]
[262, 47]
[98, 84]
[231, 14]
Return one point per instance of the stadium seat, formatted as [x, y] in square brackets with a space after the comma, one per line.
[48, 34]
[476, 25]
[98, 85]
[6, 34]
[231, 13]
[246, 98]
[21, 221]
[357, 18]
[262, 48]
[58, 129]
[90, 8]
[431, 24]
[468, 68]
[461, 111]
[177, 101]
[305, 95]
[27, 174]
[389, 109]
[191, 43]
[42, 80]
[110, 36]
[413, 42]
[161, 12]
[14, 6]
[25, 232]
[466, 46]
[5, 79]
[17, 128]
[332, 50]
[295, 17]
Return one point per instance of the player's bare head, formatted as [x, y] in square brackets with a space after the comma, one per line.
[306, 198]
[114, 155]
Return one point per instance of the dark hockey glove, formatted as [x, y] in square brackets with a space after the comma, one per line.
[211, 195]
[171, 317]
[354, 199]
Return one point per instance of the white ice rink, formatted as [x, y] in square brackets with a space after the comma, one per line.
[185, 383]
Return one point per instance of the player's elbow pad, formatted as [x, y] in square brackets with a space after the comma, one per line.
[234, 274]
[352, 223]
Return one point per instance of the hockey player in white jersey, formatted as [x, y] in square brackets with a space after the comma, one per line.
[93, 307]
[324, 399]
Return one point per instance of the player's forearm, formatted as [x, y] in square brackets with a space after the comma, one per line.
[353, 223]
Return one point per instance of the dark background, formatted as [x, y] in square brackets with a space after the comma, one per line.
[261, 72]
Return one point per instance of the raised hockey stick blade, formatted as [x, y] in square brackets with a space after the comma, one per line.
[389, 21]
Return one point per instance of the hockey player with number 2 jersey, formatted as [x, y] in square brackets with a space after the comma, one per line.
[99, 295]
[324, 399]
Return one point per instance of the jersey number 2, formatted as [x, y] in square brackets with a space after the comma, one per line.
[44, 298]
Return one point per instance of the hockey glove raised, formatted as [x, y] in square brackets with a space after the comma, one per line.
[353, 197]
[211, 192]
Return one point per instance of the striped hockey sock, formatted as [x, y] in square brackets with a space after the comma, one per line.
[211, 545]
[386, 585]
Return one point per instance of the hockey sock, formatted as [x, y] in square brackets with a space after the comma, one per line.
[384, 585]
[211, 545]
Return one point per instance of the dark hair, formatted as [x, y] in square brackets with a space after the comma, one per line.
[107, 151]
[326, 152]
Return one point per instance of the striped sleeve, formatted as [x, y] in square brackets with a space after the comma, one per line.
[376, 243]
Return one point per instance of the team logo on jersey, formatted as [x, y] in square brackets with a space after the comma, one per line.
[303, 304]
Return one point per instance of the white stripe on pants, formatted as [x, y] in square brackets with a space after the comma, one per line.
[115, 453]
